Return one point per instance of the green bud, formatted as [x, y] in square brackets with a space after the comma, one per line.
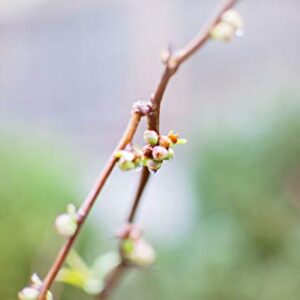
[151, 137]
[159, 153]
[28, 293]
[71, 210]
[127, 246]
[31, 293]
[127, 155]
[36, 282]
[153, 165]
[170, 154]
[126, 165]
[181, 141]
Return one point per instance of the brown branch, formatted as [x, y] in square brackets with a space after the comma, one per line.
[142, 184]
[90, 200]
[173, 62]
[112, 280]
[152, 110]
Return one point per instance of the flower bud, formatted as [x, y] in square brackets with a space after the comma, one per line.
[153, 165]
[233, 18]
[142, 255]
[126, 165]
[49, 296]
[32, 292]
[151, 137]
[170, 154]
[159, 153]
[222, 32]
[147, 151]
[28, 293]
[165, 141]
[173, 137]
[165, 56]
[181, 141]
[66, 225]
[126, 155]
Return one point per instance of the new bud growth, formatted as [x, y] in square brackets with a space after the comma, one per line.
[170, 153]
[142, 254]
[159, 153]
[165, 141]
[28, 293]
[151, 137]
[66, 225]
[126, 165]
[233, 18]
[32, 292]
[153, 165]
[222, 32]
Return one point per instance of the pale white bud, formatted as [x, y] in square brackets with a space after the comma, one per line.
[153, 165]
[223, 32]
[143, 254]
[66, 225]
[28, 293]
[36, 281]
[233, 18]
[170, 153]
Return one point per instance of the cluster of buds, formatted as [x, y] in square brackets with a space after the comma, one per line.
[32, 292]
[134, 249]
[157, 149]
[231, 24]
[66, 223]
[130, 158]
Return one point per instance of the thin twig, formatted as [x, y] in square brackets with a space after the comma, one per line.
[88, 203]
[113, 280]
[152, 110]
[153, 117]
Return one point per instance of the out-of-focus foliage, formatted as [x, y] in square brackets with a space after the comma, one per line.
[34, 187]
[246, 244]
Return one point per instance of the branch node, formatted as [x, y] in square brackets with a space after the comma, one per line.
[170, 60]
[141, 107]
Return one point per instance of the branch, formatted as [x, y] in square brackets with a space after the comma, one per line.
[138, 112]
[142, 184]
[152, 111]
[172, 63]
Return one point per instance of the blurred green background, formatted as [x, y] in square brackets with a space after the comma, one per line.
[224, 215]
[244, 244]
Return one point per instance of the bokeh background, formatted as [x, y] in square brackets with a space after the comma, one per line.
[224, 215]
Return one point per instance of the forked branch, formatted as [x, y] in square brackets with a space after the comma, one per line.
[172, 62]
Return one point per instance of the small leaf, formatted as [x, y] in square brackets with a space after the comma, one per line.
[71, 277]
[76, 262]
[105, 263]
